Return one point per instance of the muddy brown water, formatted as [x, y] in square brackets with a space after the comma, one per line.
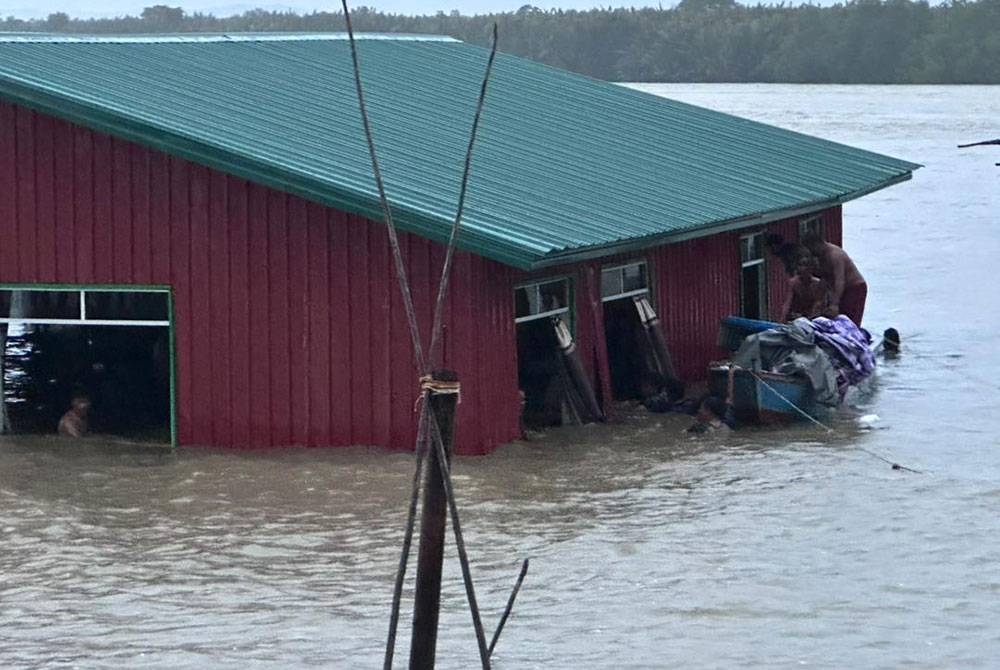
[649, 548]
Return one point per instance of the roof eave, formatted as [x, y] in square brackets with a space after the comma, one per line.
[714, 228]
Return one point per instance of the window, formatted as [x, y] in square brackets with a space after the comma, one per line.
[87, 307]
[753, 277]
[812, 224]
[623, 281]
[541, 299]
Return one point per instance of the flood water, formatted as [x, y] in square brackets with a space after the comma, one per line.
[649, 549]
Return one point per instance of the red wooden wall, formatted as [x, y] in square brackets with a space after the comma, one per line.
[290, 327]
[289, 323]
[695, 283]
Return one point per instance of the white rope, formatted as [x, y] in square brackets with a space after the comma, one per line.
[895, 466]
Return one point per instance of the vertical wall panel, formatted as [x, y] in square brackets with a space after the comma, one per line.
[259, 326]
[103, 224]
[298, 320]
[317, 231]
[65, 200]
[45, 201]
[83, 203]
[8, 204]
[219, 344]
[238, 229]
[142, 250]
[25, 196]
[277, 323]
[341, 334]
[121, 258]
[200, 309]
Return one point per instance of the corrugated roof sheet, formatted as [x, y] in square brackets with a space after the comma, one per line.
[565, 166]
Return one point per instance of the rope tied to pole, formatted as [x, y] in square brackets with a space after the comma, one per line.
[428, 384]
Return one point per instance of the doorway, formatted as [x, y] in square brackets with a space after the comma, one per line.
[541, 376]
[629, 353]
[112, 345]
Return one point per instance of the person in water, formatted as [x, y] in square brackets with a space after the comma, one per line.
[807, 294]
[74, 422]
[848, 289]
[714, 413]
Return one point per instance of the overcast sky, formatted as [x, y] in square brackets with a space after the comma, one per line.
[110, 8]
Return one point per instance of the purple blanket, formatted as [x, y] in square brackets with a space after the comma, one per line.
[848, 347]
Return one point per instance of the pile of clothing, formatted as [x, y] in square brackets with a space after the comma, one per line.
[832, 353]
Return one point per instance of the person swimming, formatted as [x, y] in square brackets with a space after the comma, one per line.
[74, 422]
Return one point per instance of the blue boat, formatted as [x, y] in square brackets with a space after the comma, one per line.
[764, 397]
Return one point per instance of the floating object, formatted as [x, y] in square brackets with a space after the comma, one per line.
[868, 420]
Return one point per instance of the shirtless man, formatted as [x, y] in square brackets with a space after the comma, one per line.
[74, 422]
[848, 290]
[807, 293]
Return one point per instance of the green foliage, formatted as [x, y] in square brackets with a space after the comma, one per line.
[863, 41]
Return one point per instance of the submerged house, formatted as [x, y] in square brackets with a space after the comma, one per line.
[210, 200]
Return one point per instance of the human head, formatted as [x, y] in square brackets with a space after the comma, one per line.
[80, 402]
[773, 241]
[814, 242]
[805, 265]
[890, 341]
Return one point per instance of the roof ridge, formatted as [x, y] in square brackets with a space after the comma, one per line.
[200, 38]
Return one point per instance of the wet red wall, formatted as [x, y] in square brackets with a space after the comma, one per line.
[289, 323]
[695, 284]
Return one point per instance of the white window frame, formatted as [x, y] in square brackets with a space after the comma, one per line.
[537, 285]
[621, 269]
[82, 320]
[762, 288]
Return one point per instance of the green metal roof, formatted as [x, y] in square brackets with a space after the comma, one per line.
[566, 167]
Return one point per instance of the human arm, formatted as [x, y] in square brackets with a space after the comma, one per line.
[837, 281]
[786, 308]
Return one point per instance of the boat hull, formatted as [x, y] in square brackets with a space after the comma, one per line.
[765, 397]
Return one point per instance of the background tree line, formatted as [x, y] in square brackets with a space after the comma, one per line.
[863, 41]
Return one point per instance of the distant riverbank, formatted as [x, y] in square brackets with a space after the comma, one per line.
[863, 42]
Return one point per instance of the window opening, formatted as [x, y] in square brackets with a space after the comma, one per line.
[540, 300]
[753, 277]
[624, 281]
[812, 224]
[111, 344]
[629, 352]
